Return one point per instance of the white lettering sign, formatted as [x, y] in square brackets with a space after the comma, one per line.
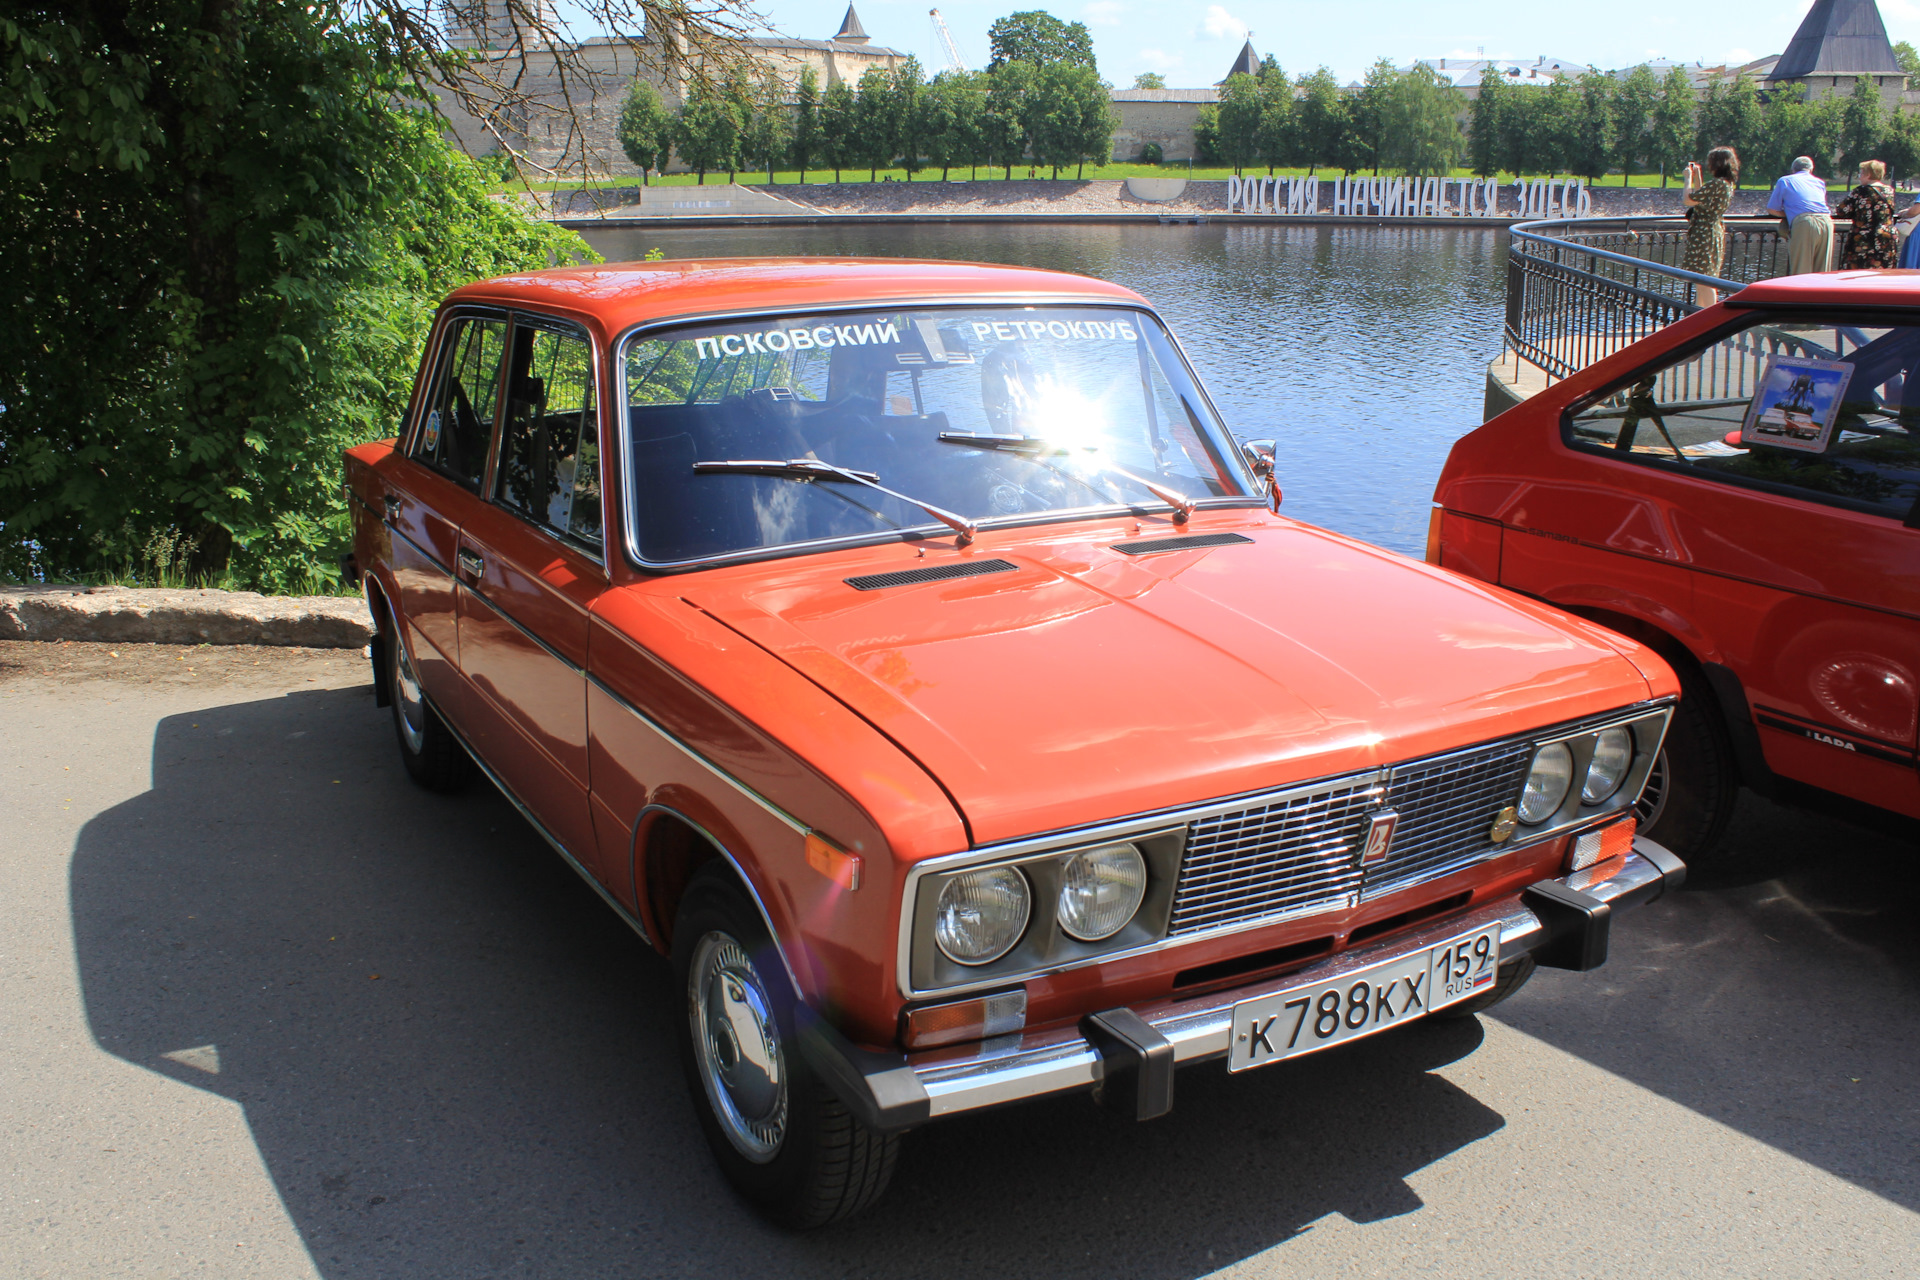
[763, 341]
[1410, 197]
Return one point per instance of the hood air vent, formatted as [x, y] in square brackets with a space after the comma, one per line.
[1190, 542]
[907, 577]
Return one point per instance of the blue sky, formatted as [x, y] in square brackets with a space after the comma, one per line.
[1193, 43]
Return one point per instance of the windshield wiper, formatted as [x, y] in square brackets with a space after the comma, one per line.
[807, 470]
[1183, 506]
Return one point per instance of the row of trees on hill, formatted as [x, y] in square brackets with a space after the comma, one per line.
[1414, 121]
[1041, 102]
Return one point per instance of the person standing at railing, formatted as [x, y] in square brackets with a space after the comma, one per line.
[1873, 244]
[1910, 242]
[1706, 204]
[1800, 200]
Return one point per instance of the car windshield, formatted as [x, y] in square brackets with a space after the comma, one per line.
[993, 414]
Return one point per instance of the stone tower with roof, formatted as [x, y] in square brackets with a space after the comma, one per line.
[1838, 42]
[1247, 62]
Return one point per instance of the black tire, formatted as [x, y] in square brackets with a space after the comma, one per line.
[789, 1147]
[1690, 796]
[1508, 981]
[433, 756]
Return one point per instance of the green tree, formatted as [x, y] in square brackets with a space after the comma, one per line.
[1275, 140]
[1552, 137]
[909, 109]
[1671, 132]
[1865, 120]
[1900, 147]
[1097, 120]
[1320, 119]
[1633, 108]
[1483, 136]
[1039, 39]
[876, 121]
[1369, 115]
[646, 129]
[806, 145]
[1729, 116]
[1239, 116]
[1206, 135]
[767, 135]
[1421, 128]
[707, 132]
[1909, 60]
[1149, 80]
[1003, 123]
[227, 228]
[839, 128]
[1594, 146]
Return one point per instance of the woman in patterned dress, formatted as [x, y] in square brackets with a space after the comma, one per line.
[1706, 204]
[1870, 205]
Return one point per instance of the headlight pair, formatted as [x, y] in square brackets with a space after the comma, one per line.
[981, 915]
[1604, 762]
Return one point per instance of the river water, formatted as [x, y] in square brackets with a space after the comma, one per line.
[1361, 350]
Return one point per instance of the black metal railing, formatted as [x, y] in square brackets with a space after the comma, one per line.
[1580, 289]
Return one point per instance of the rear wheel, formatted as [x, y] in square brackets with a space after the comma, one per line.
[789, 1147]
[433, 756]
[1690, 794]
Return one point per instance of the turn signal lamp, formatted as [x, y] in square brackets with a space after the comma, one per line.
[1615, 840]
[1433, 533]
[933, 1025]
[835, 864]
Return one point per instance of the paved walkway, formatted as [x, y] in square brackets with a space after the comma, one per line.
[271, 1011]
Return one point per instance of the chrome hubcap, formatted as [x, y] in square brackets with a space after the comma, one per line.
[1653, 797]
[736, 1044]
[408, 702]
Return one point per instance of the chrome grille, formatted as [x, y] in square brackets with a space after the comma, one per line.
[1292, 856]
[1300, 853]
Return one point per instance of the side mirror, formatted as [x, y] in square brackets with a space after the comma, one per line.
[1260, 456]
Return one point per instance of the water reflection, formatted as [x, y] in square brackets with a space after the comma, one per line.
[1361, 350]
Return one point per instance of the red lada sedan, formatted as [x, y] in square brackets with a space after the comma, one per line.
[908, 651]
[1740, 492]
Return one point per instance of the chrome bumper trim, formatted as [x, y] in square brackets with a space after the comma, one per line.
[1012, 1068]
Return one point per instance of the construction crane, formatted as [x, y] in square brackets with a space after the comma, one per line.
[945, 39]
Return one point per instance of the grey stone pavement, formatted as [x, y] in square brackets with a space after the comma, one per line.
[270, 1011]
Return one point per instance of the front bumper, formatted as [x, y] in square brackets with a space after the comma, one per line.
[1563, 923]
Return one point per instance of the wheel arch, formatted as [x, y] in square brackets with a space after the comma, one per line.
[385, 627]
[669, 849]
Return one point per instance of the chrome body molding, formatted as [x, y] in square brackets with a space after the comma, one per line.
[1159, 820]
[792, 823]
[519, 626]
[1016, 1067]
[425, 554]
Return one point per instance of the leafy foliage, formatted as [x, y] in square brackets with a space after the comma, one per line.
[646, 129]
[1039, 39]
[224, 233]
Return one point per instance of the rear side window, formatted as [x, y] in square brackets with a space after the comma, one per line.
[550, 444]
[459, 423]
[1820, 409]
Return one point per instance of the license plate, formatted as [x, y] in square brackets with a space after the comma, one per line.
[1319, 1015]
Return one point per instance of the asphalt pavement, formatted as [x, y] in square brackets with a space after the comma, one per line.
[270, 1010]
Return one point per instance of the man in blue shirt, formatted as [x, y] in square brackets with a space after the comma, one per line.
[1801, 201]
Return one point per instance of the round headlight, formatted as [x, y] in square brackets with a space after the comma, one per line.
[1612, 756]
[981, 914]
[1100, 889]
[1547, 783]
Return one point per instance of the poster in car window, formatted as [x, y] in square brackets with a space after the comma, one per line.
[1797, 404]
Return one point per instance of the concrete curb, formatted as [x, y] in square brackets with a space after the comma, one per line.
[162, 616]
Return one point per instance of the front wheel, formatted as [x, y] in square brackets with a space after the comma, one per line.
[789, 1147]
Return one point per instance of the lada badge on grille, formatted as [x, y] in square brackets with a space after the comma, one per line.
[1504, 823]
[1379, 837]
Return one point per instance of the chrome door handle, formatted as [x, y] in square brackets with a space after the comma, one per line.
[391, 503]
[471, 563]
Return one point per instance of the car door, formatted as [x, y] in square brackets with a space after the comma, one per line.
[1801, 553]
[529, 567]
[435, 488]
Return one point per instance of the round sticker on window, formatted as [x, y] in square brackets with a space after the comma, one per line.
[431, 440]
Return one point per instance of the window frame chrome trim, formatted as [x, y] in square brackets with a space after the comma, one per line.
[435, 366]
[1140, 824]
[565, 326]
[629, 531]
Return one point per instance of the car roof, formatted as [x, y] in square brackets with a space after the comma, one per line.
[616, 295]
[1834, 289]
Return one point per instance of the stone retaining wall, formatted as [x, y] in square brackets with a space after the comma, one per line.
[158, 616]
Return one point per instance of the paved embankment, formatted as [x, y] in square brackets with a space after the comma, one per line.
[273, 1011]
[128, 615]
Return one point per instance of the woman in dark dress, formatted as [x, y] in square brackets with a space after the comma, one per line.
[1706, 204]
[1873, 243]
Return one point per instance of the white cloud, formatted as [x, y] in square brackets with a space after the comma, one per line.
[1160, 59]
[1221, 25]
[1103, 13]
[1737, 56]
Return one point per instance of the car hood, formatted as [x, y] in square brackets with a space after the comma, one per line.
[1087, 683]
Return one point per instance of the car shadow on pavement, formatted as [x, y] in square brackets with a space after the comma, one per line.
[1778, 994]
[454, 1061]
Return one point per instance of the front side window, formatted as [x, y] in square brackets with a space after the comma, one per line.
[1818, 409]
[550, 443]
[995, 414]
[459, 423]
